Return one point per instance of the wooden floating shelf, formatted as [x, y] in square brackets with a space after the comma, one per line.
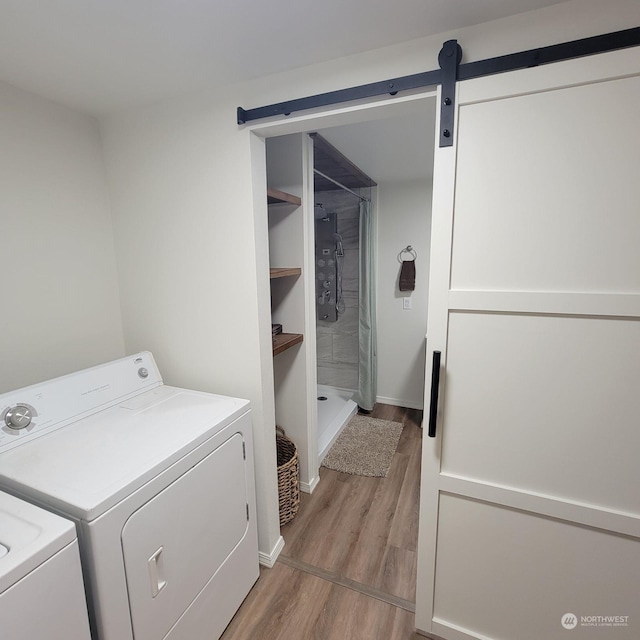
[275, 196]
[284, 341]
[280, 272]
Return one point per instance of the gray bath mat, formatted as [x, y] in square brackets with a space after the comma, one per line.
[365, 447]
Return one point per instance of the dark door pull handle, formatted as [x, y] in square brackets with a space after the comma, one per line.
[435, 387]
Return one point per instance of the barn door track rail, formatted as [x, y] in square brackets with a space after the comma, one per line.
[451, 71]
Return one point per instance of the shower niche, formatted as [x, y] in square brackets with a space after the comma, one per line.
[327, 246]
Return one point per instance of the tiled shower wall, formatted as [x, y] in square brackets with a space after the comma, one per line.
[337, 342]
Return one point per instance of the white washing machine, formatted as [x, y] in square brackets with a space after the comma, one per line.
[160, 483]
[41, 590]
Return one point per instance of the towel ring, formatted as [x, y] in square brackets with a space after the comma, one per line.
[408, 249]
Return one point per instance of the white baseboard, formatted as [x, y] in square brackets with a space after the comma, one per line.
[394, 402]
[269, 559]
[308, 487]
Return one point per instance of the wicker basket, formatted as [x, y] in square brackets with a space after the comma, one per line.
[288, 477]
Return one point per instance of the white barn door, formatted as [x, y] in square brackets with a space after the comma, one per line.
[530, 503]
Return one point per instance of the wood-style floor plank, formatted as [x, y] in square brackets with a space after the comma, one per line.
[287, 604]
[365, 529]
[348, 569]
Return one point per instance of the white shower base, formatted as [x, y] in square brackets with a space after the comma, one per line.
[333, 415]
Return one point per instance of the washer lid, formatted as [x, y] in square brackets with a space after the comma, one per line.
[89, 466]
[28, 537]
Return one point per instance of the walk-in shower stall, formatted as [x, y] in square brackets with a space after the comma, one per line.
[340, 190]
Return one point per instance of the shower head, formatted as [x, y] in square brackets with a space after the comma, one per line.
[323, 216]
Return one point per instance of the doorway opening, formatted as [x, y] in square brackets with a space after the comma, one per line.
[394, 141]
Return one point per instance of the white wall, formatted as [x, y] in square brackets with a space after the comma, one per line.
[58, 279]
[194, 283]
[191, 252]
[403, 218]
[289, 246]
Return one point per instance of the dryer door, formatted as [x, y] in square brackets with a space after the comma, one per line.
[176, 542]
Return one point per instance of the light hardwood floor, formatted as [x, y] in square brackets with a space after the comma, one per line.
[347, 571]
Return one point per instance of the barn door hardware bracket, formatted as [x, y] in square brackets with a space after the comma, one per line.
[451, 71]
[449, 60]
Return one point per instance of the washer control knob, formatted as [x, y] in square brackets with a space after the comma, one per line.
[143, 373]
[18, 417]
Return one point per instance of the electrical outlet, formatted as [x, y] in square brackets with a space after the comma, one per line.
[406, 303]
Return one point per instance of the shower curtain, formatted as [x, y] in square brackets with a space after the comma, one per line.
[367, 360]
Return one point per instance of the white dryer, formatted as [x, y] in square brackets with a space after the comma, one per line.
[160, 483]
[41, 590]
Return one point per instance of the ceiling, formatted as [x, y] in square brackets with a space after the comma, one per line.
[397, 149]
[98, 56]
